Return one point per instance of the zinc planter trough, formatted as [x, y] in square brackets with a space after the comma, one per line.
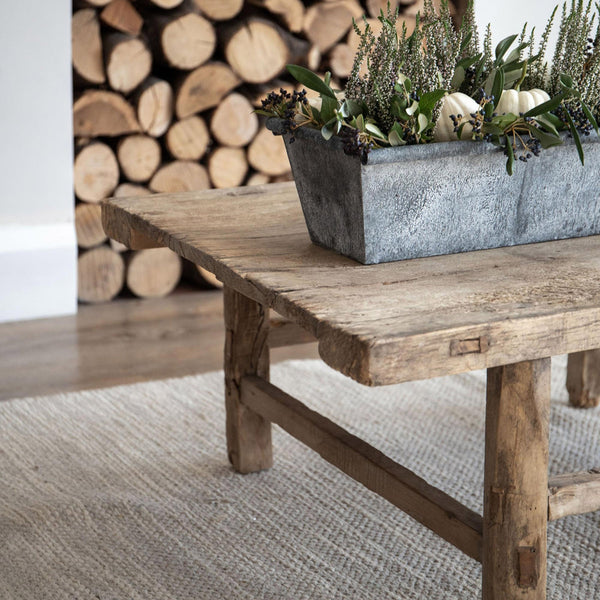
[442, 198]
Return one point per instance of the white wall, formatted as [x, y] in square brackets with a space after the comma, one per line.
[508, 17]
[37, 240]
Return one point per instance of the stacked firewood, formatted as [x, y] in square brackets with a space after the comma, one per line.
[163, 102]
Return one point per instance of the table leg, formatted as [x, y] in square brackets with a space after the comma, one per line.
[516, 481]
[583, 379]
[246, 353]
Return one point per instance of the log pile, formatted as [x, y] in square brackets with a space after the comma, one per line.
[163, 97]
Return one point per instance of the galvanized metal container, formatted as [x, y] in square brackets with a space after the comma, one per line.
[443, 198]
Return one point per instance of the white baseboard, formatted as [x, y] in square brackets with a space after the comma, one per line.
[38, 271]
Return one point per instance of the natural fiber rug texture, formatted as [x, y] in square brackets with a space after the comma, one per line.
[126, 494]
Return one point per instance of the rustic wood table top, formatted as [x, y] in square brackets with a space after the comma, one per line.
[386, 323]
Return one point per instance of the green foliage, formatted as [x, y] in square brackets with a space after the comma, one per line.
[398, 81]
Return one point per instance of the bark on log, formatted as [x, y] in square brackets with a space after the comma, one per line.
[182, 39]
[128, 61]
[154, 102]
[267, 153]
[234, 123]
[96, 172]
[180, 176]
[100, 275]
[86, 47]
[188, 139]
[204, 88]
[139, 157]
[99, 113]
[153, 273]
[88, 225]
[121, 15]
[227, 167]
[220, 10]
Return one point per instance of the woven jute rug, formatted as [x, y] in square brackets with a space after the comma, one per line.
[126, 493]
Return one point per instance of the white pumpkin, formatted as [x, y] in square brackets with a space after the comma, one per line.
[516, 103]
[454, 104]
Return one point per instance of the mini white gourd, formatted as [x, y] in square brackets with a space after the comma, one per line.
[455, 104]
[516, 103]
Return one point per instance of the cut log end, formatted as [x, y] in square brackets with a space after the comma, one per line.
[128, 62]
[267, 154]
[188, 139]
[155, 106]
[220, 10]
[234, 123]
[257, 52]
[88, 225]
[100, 275]
[96, 173]
[86, 45]
[139, 157]
[227, 167]
[153, 273]
[180, 176]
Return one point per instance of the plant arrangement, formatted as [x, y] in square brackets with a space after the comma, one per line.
[437, 84]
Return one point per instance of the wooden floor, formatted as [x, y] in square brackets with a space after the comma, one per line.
[125, 341]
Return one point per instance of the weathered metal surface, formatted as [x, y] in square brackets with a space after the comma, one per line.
[442, 198]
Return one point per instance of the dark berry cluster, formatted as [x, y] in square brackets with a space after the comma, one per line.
[582, 123]
[470, 76]
[284, 105]
[356, 143]
[476, 119]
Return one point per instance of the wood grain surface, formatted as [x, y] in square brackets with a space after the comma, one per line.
[385, 323]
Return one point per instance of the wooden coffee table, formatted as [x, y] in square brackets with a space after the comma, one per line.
[507, 310]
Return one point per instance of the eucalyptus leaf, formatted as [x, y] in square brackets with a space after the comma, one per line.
[310, 80]
[546, 139]
[374, 130]
[458, 78]
[510, 163]
[576, 137]
[329, 107]
[429, 100]
[566, 81]
[498, 86]
[423, 122]
[590, 117]
[394, 139]
[327, 131]
[516, 53]
[547, 124]
[503, 46]
[546, 107]
[353, 108]
[505, 121]
[412, 109]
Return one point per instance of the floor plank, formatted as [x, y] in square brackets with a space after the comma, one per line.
[121, 342]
